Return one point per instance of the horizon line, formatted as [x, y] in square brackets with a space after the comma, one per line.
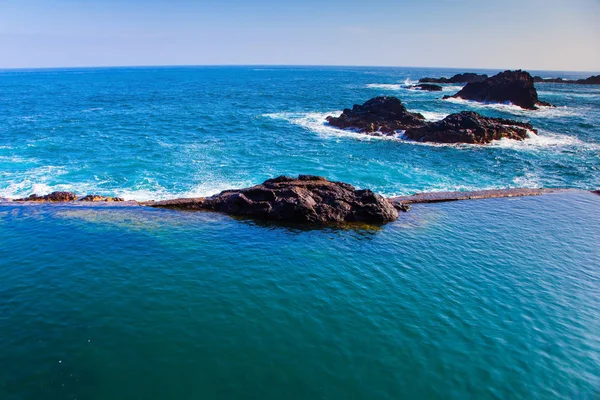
[278, 66]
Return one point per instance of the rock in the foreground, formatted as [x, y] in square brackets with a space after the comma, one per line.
[469, 127]
[467, 77]
[427, 87]
[514, 87]
[380, 115]
[52, 197]
[306, 199]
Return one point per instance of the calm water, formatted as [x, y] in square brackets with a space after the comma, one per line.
[492, 299]
[495, 299]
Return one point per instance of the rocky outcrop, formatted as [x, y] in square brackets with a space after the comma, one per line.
[69, 196]
[467, 77]
[387, 115]
[427, 87]
[469, 127]
[592, 80]
[379, 116]
[514, 87]
[52, 197]
[306, 199]
[96, 198]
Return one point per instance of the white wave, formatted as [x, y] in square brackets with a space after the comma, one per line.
[384, 86]
[409, 82]
[451, 88]
[541, 112]
[440, 187]
[17, 159]
[529, 180]
[316, 122]
[214, 186]
[92, 109]
[433, 115]
[544, 140]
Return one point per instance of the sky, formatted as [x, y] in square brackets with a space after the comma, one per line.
[529, 34]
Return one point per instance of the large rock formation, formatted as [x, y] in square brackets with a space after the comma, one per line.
[427, 87]
[380, 115]
[469, 127]
[514, 87]
[592, 80]
[467, 77]
[307, 199]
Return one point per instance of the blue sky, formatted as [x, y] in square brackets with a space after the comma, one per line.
[530, 34]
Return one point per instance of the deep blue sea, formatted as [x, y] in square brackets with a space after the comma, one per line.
[486, 299]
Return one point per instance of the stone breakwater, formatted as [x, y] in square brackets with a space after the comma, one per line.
[305, 199]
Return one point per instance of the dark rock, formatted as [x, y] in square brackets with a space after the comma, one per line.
[54, 196]
[307, 199]
[514, 87]
[596, 191]
[428, 87]
[592, 80]
[469, 127]
[97, 198]
[458, 78]
[380, 115]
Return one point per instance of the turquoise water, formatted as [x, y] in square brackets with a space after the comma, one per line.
[488, 299]
[144, 133]
[493, 299]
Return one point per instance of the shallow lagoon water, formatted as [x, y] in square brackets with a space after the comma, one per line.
[480, 299]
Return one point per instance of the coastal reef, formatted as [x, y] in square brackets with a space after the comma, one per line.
[380, 115]
[387, 116]
[306, 199]
[469, 127]
[62, 197]
[427, 87]
[515, 87]
[592, 80]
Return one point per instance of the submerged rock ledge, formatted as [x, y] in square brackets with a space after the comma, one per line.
[439, 197]
[306, 199]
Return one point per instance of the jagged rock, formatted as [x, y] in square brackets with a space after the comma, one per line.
[54, 196]
[97, 198]
[306, 199]
[380, 115]
[427, 87]
[469, 127]
[592, 80]
[514, 87]
[467, 77]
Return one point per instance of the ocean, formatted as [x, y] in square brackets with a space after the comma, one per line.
[495, 299]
